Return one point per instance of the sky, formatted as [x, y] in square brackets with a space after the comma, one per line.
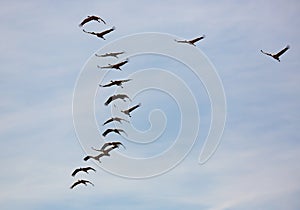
[256, 165]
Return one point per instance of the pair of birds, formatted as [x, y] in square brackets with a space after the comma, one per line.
[275, 56]
[104, 152]
[98, 19]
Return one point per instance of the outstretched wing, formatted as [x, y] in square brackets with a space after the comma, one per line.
[269, 54]
[110, 99]
[90, 168]
[107, 31]
[86, 20]
[134, 107]
[107, 132]
[197, 39]
[108, 121]
[76, 171]
[282, 51]
[87, 158]
[75, 183]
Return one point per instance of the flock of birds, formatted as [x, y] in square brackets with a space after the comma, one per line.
[107, 147]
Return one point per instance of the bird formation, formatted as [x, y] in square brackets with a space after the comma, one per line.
[108, 147]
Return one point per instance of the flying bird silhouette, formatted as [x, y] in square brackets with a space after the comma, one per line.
[91, 18]
[191, 42]
[105, 145]
[102, 154]
[117, 119]
[277, 55]
[114, 97]
[81, 181]
[116, 82]
[131, 109]
[111, 54]
[115, 130]
[86, 169]
[100, 34]
[114, 66]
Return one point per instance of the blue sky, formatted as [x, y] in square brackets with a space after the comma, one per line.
[257, 163]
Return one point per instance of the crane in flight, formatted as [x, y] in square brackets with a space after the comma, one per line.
[107, 144]
[277, 55]
[86, 169]
[81, 181]
[100, 34]
[102, 154]
[91, 18]
[114, 130]
[111, 54]
[117, 119]
[127, 111]
[114, 66]
[191, 42]
[114, 97]
[116, 82]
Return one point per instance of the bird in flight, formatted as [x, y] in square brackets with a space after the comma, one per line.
[114, 66]
[91, 18]
[277, 55]
[116, 82]
[105, 145]
[81, 181]
[131, 109]
[115, 130]
[100, 34]
[114, 97]
[117, 119]
[86, 169]
[111, 54]
[191, 42]
[103, 153]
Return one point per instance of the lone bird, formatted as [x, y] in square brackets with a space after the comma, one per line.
[131, 109]
[191, 42]
[91, 18]
[105, 145]
[117, 119]
[111, 54]
[115, 130]
[100, 34]
[116, 82]
[86, 169]
[103, 153]
[114, 66]
[277, 55]
[114, 97]
[81, 181]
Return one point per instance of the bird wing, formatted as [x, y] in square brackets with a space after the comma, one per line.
[122, 96]
[108, 121]
[196, 39]
[110, 99]
[99, 18]
[106, 31]
[269, 54]
[76, 171]
[121, 130]
[107, 132]
[88, 19]
[74, 184]
[90, 168]
[86, 158]
[117, 65]
[282, 51]
[90, 182]
[134, 107]
[125, 80]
